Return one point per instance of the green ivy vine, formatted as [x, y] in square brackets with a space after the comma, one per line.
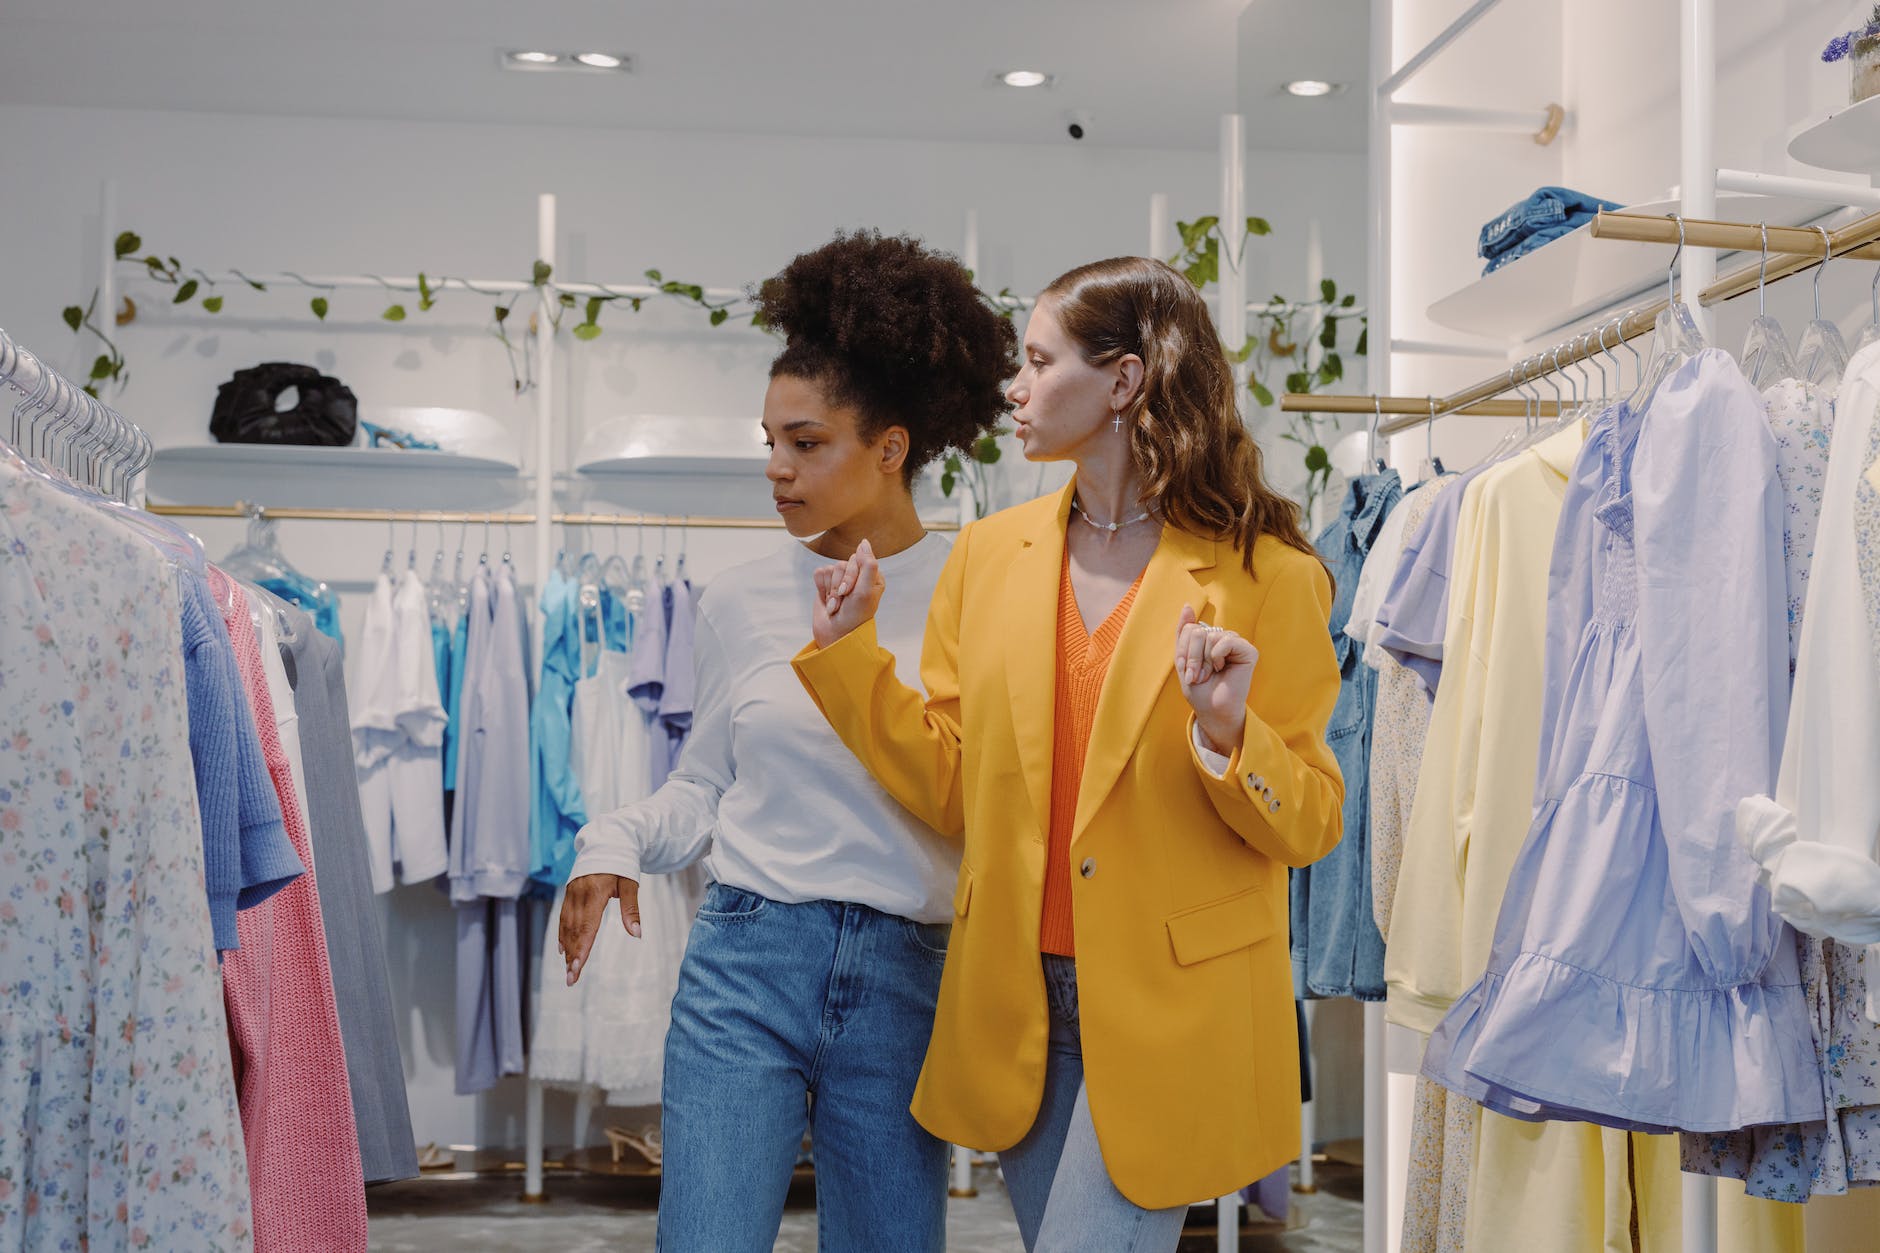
[1299, 338]
[196, 286]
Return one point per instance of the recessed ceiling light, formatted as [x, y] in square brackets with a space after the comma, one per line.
[1025, 78]
[1311, 87]
[600, 60]
[535, 58]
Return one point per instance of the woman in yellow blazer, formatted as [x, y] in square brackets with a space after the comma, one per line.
[1132, 795]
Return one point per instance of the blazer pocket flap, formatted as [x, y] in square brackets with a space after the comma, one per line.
[963, 893]
[1221, 926]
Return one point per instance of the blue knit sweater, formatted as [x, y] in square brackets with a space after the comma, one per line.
[245, 854]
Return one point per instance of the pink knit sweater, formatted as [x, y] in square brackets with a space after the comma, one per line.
[297, 1118]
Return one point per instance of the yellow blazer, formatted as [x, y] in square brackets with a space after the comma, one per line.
[1190, 1042]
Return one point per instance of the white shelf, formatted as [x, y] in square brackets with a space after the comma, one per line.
[665, 444]
[1847, 139]
[295, 457]
[1576, 276]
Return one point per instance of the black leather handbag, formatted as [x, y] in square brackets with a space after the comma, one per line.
[248, 407]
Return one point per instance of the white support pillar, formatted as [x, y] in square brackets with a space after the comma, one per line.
[1231, 314]
[962, 1185]
[532, 1146]
[1697, 144]
[544, 415]
[1376, 1133]
[1161, 232]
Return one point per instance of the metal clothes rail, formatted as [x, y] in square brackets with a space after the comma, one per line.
[1792, 250]
[473, 517]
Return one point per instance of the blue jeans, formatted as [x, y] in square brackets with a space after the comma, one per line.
[788, 1016]
[1061, 1190]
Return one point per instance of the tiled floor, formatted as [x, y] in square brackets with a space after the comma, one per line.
[588, 1214]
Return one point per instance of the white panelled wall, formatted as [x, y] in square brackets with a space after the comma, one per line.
[339, 196]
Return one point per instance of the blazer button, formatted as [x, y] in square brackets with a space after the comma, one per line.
[1273, 807]
[1267, 794]
[1089, 867]
[1256, 782]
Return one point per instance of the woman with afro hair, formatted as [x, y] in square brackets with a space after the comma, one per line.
[1128, 685]
[806, 995]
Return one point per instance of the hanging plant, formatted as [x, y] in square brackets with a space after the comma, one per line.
[1300, 338]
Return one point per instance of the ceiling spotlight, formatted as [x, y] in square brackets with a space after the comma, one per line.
[535, 58]
[600, 60]
[1311, 87]
[1025, 78]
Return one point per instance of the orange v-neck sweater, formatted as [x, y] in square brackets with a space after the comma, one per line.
[1083, 659]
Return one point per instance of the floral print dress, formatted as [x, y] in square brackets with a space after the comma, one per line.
[118, 1125]
[1793, 1161]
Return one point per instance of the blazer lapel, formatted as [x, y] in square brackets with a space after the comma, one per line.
[1143, 665]
[1031, 597]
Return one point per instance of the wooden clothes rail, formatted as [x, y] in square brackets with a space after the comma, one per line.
[1792, 250]
[472, 518]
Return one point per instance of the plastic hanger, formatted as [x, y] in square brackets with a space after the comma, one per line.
[1767, 359]
[1871, 331]
[1377, 414]
[1675, 335]
[1821, 357]
[1432, 464]
[685, 524]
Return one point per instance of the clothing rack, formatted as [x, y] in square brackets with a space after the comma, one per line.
[1791, 250]
[62, 425]
[469, 517]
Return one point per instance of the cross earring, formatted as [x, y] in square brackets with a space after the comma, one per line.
[1116, 420]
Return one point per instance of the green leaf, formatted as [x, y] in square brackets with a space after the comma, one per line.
[1349, 300]
[1317, 459]
[566, 299]
[1328, 334]
[502, 311]
[541, 272]
[253, 284]
[1332, 368]
[127, 243]
[1362, 347]
[318, 304]
[184, 293]
[652, 276]
[155, 266]
[1262, 394]
[947, 480]
[102, 368]
[175, 264]
[986, 450]
[587, 331]
[636, 302]
[425, 295]
[1259, 226]
[212, 303]
[1328, 290]
[91, 389]
[74, 317]
[719, 316]
[394, 313]
[1298, 381]
[594, 308]
[757, 318]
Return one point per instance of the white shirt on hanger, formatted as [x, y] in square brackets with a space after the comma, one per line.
[782, 806]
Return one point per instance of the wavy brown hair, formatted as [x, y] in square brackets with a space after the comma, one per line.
[1202, 470]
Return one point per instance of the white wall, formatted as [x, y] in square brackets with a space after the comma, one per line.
[316, 196]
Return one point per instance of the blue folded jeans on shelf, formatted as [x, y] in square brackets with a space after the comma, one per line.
[1548, 208]
[1546, 235]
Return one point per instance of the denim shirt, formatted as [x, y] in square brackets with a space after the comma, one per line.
[1336, 947]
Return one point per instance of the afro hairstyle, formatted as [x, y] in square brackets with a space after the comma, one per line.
[898, 333]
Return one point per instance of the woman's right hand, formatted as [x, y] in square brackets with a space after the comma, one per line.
[847, 595]
[582, 909]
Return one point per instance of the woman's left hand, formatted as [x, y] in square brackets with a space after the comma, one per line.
[1215, 666]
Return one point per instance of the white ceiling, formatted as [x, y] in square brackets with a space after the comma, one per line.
[1284, 40]
[1152, 73]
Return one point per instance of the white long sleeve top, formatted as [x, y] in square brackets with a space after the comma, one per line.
[763, 787]
[1818, 840]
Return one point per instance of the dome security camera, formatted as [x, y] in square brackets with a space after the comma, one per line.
[1077, 123]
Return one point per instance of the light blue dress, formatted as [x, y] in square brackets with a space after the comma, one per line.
[557, 810]
[1639, 978]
